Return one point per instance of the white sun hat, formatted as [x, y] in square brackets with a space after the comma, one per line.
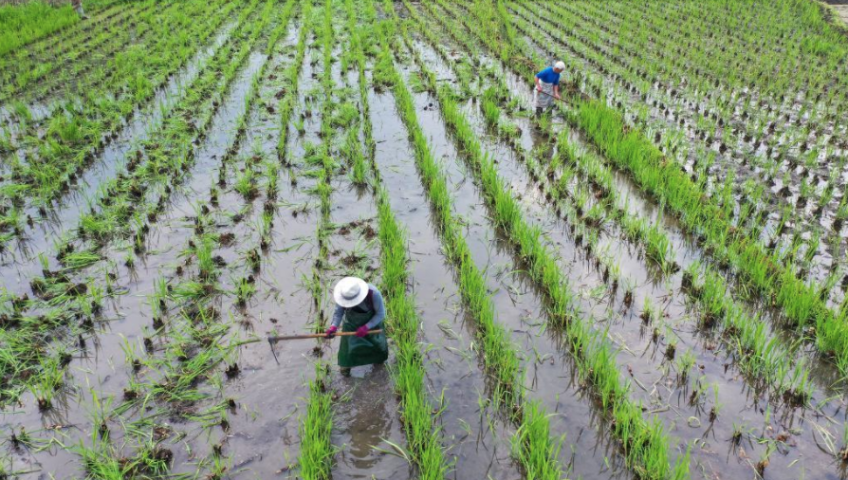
[559, 65]
[350, 292]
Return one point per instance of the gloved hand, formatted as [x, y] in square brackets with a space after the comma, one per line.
[362, 331]
[331, 332]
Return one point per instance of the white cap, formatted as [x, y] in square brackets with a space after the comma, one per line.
[350, 292]
[560, 65]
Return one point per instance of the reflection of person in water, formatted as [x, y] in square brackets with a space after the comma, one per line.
[542, 144]
[370, 420]
[361, 307]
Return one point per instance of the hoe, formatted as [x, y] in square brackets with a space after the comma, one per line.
[272, 339]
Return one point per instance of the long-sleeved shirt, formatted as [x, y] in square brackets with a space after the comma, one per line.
[548, 75]
[379, 310]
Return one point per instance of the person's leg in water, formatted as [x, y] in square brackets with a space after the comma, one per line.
[78, 7]
[345, 371]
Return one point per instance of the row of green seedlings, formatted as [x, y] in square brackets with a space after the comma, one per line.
[629, 150]
[244, 287]
[745, 49]
[58, 42]
[73, 140]
[40, 57]
[184, 313]
[574, 207]
[791, 214]
[534, 447]
[582, 217]
[27, 23]
[197, 294]
[644, 442]
[726, 104]
[316, 449]
[760, 357]
[121, 203]
[416, 407]
[752, 204]
[205, 288]
[246, 175]
[355, 149]
[245, 179]
[45, 76]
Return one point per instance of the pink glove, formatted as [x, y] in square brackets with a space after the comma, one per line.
[362, 331]
[331, 332]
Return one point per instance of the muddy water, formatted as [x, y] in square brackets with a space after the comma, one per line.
[272, 396]
[727, 162]
[367, 419]
[676, 310]
[66, 215]
[550, 375]
[639, 206]
[474, 436]
[102, 366]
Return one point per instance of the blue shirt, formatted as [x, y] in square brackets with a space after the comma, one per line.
[548, 75]
[379, 310]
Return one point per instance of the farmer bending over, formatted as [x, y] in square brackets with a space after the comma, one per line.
[77, 4]
[547, 87]
[361, 306]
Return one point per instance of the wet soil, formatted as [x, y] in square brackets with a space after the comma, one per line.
[261, 439]
[678, 314]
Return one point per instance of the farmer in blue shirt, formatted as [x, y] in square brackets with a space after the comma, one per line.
[547, 87]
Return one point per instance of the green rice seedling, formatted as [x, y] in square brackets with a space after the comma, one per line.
[246, 184]
[533, 438]
[355, 158]
[99, 460]
[651, 314]
[21, 110]
[685, 363]
[245, 289]
[345, 116]
[77, 260]
[203, 250]
[49, 381]
[716, 408]
[271, 179]
[316, 455]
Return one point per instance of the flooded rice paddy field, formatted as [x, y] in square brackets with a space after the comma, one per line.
[645, 282]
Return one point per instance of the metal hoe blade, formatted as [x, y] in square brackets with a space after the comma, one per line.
[271, 344]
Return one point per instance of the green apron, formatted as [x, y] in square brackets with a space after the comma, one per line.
[355, 351]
